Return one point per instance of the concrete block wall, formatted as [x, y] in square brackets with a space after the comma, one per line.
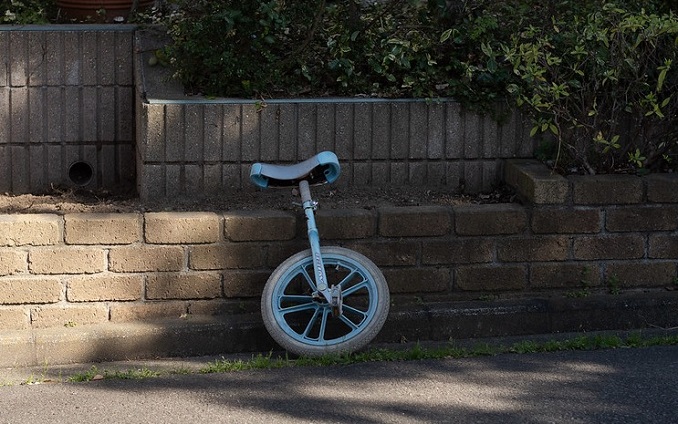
[79, 269]
[194, 148]
[66, 97]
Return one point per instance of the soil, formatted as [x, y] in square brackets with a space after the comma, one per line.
[328, 197]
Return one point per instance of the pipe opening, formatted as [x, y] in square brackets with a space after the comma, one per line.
[80, 173]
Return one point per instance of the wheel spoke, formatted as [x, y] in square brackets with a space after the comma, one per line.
[298, 308]
[309, 326]
[355, 311]
[323, 324]
[308, 279]
[355, 288]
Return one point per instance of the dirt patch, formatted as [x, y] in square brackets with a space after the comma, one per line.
[328, 197]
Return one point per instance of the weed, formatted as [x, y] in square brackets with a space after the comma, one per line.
[613, 285]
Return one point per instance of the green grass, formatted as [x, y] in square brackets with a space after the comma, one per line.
[416, 352]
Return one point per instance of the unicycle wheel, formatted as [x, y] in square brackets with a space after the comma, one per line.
[304, 324]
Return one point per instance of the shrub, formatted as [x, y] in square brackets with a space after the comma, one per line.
[21, 12]
[604, 85]
[396, 48]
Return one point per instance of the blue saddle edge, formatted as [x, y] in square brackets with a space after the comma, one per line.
[327, 159]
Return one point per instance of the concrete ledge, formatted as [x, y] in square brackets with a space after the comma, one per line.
[438, 321]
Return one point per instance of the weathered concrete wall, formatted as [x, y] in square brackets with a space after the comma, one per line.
[66, 97]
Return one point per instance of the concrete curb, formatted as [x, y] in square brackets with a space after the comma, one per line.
[430, 322]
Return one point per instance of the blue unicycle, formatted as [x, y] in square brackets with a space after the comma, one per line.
[325, 299]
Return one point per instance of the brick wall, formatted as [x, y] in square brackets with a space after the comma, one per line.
[79, 269]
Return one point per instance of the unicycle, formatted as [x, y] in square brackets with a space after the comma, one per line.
[323, 300]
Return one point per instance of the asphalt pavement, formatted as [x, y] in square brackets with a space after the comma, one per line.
[625, 385]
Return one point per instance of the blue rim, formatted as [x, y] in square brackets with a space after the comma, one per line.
[354, 319]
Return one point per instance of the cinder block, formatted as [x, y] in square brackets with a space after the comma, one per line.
[662, 188]
[213, 122]
[533, 249]
[307, 122]
[54, 58]
[416, 221]
[226, 256]
[663, 246]
[33, 230]
[362, 131]
[4, 61]
[192, 285]
[343, 132]
[472, 138]
[561, 275]
[490, 278]
[259, 225]
[102, 228]
[18, 44]
[104, 287]
[32, 290]
[418, 140]
[270, 133]
[12, 261]
[38, 168]
[68, 316]
[239, 284]
[146, 259]
[641, 274]
[181, 227]
[417, 280]
[193, 179]
[535, 182]
[194, 150]
[232, 125]
[435, 146]
[174, 180]
[400, 134]
[458, 251]
[124, 116]
[89, 60]
[72, 58]
[36, 110]
[361, 173]
[472, 177]
[454, 132]
[21, 178]
[335, 224]
[608, 247]
[250, 137]
[642, 218]
[606, 189]
[490, 219]
[14, 319]
[5, 170]
[490, 139]
[401, 252]
[105, 66]
[417, 175]
[174, 133]
[152, 145]
[66, 260]
[277, 252]
[381, 131]
[124, 55]
[558, 220]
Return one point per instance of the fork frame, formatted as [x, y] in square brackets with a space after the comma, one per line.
[331, 294]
